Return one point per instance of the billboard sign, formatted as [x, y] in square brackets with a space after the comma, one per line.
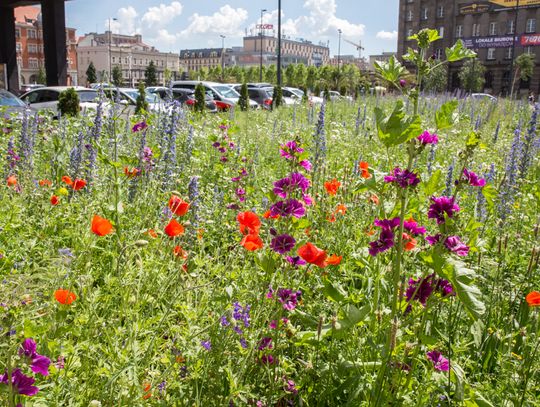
[514, 3]
[528, 40]
[265, 26]
[503, 41]
[474, 8]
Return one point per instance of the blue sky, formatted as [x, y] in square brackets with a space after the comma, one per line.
[171, 25]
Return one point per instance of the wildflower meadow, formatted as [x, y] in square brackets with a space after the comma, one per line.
[377, 252]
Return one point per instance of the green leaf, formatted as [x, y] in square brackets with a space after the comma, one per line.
[432, 185]
[490, 193]
[337, 294]
[390, 70]
[266, 263]
[461, 278]
[397, 128]
[445, 116]
[458, 52]
[425, 37]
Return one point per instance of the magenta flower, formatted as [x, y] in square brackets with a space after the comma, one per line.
[290, 387]
[268, 360]
[442, 206]
[386, 237]
[305, 164]
[282, 244]
[139, 126]
[288, 298]
[427, 138]
[292, 207]
[412, 227]
[21, 383]
[434, 239]
[403, 178]
[402, 83]
[265, 343]
[296, 261]
[285, 186]
[473, 179]
[455, 245]
[39, 363]
[440, 363]
[419, 290]
[290, 149]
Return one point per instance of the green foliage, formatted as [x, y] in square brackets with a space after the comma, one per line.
[277, 99]
[326, 94]
[445, 116]
[200, 95]
[117, 78]
[396, 128]
[150, 74]
[436, 79]
[458, 52]
[471, 75]
[390, 71]
[41, 78]
[525, 65]
[243, 100]
[91, 76]
[68, 103]
[142, 104]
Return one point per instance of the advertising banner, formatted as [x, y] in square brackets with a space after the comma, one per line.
[528, 40]
[514, 3]
[504, 41]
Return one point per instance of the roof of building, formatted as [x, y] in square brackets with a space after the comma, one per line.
[27, 14]
[206, 52]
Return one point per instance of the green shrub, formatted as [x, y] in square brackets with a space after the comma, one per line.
[277, 100]
[68, 103]
[243, 101]
[142, 104]
[200, 96]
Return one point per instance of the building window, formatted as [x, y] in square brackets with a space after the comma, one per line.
[529, 51]
[531, 25]
[476, 30]
[438, 53]
[425, 13]
[459, 31]
[33, 63]
[114, 59]
[17, 33]
[440, 11]
[32, 48]
[510, 28]
[409, 32]
[441, 32]
[493, 28]
[508, 54]
[491, 53]
[18, 47]
[31, 33]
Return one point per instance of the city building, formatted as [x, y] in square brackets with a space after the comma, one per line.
[383, 57]
[128, 52]
[195, 59]
[30, 48]
[496, 29]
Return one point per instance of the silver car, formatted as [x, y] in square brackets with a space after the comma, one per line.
[46, 98]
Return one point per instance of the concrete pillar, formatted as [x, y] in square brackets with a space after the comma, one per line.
[54, 41]
[8, 51]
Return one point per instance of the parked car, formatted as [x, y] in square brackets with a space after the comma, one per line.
[31, 86]
[483, 96]
[287, 100]
[46, 98]
[223, 95]
[128, 98]
[9, 103]
[259, 95]
[300, 93]
[183, 96]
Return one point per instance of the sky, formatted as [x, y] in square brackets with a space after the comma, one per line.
[171, 25]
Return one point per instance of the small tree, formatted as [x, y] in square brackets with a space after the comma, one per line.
[471, 75]
[436, 80]
[142, 104]
[343, 90]
[68, 103]
[200, 96]
[117, 76]
[326, 93]
[91, 76]
[150, 74]
[317, 90]
[524, 68]
[41, 77]
[305, 96]
[243, 101]
[277, 99]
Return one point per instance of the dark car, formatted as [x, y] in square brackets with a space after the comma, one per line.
[183, 96]
[9, 103]
[259, 95]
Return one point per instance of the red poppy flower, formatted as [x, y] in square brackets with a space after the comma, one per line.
[67, 180]
[252, 242]
[55, 200]
[45, 183]
[179, 252]
[409, 242]
[334, 260]
[364, 168]
[174, 228]
[101, 226]
[268, 214]
[312, 254]
[147, 387]
[11, 181]
[341, 209]
[131, 173]
[64, 297]
[152, 233]
[331, 218]
[374, 199]
[79, 184]
[332, 186]
[533, 299]
[249, 222]
[178, 206]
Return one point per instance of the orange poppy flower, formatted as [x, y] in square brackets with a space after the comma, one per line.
[332, 186]
[312, 254]
[341, 209]
[364, 168]
[178, 206]
[267, 215]
[45, 183]
[152, 233]
[101, 226]
[374, 199]
[331, 218]
[334, 260]
[307, 232]
[64, 297]
[11, 181]
[371, 231]
[67, 180]
[79, 184]
[200, 233]
[252, 242]
[533, 299]
[174, 228]
[55, 200]
[131, 173]
[146, 390]
[409, 242]
[179, 252]
[249, 222]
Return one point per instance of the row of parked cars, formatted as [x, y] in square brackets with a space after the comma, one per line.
[219, 97]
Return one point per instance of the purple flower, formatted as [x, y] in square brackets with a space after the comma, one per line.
[308, 200]
[290, 387]
[440, 363]
[433, 240]
[28, 348]
[272, 324]
[139, 126]
[420, 289]
[444, 287]
[387, 223]
[268, 360]
[224, 321]
[241, 313]
[289, 149]
[455, 245]
[403, 178]
[427, 138]
[21, 383]
[473, 179]
[402, 83]
[305, 164]
[240, 193]
[282, 244]
[288, 298]
[287, 185]
[412, 227]
[206, 345]
[296, 261]
[264, 343]
[39, 363]
[243, 343]
[386, 237]
[441, 206]
[292, 207]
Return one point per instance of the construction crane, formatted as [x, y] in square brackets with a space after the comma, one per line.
[358, 46]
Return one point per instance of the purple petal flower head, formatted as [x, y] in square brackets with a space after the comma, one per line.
[473, 179]
[296, 208]
[402, 83]
[272, 324]
[403, 178]
[455, 245]
[412, 227]
[216, 144]
[268, 360]
[287, 185]
[296, 261]
[308, 200]
[39, 363]
[305, 164]
[292, 207]
[223, 321]
[433, 239]
[440, 363]
[420, 289]
[265, 343]
[139, 126]
[444, 287]
[290, 387]
[290, 149]
[388, 224]
[386, 237]
[282, 244]
[299, 181]
[21, 383]
[206, 345]
[288, 298]
[241, 313]
[441, 206]
[28, 348]
[241, 194]
[427, 138]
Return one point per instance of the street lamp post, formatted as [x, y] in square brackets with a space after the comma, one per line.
[339, 52]
[261, 33]
[110, 40]
[513, 52]
[222, 56]
[279, 45]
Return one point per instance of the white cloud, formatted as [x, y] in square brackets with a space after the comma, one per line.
[226, 21]
[125, 21]
[162, 14]
[387, 35]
